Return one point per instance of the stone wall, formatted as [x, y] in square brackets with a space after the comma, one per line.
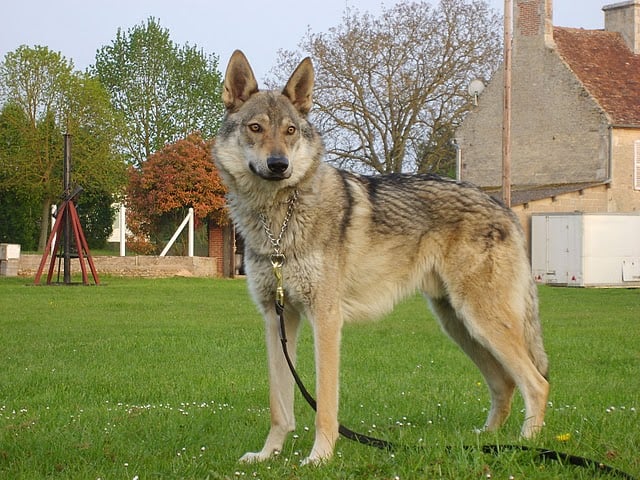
[624, 196]
[138, 266]
[548, 106]
[624, 17]
[559, 133]
[589, 200]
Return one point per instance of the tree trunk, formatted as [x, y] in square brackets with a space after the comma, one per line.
[44, 224]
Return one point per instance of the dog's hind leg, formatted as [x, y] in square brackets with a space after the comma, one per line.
[501, 385]
[495, 324]
[281, 385]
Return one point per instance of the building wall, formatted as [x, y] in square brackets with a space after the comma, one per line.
[480, 137]
[623, 196]
[617, 197]
[589, 200]
[559, 134]
[624, 17]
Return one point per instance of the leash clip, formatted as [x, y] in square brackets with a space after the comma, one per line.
[277, 261]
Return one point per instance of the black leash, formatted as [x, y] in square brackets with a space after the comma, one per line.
[563, 458]
[541, 453]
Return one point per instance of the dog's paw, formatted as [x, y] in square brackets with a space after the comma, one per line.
[315, 459]
[255, 457]
[313, 462]
[322, 450]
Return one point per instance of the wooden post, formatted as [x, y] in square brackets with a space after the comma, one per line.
[228, 251]
[506, 113]
[66, 188]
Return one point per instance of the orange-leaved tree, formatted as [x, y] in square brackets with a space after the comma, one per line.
[162, 189]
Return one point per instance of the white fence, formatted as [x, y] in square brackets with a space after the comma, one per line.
[187, 220]
[120, 231]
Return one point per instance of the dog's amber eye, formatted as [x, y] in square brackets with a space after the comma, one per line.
[291, 130]
[255, 127]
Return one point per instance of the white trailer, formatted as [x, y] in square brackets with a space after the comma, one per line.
[583, 249]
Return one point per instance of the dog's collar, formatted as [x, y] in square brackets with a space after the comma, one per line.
[276, 242]
[277, 258]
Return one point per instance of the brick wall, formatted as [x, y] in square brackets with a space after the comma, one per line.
[533, 18]
[216, 245]
[529, 21]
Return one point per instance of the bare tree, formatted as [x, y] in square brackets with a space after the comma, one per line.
[391, 89]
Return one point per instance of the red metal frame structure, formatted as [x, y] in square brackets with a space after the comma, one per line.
[67, 213]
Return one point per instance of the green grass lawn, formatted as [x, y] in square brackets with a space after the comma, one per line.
[164, 379]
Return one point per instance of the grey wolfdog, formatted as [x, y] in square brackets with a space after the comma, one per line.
[352, 246]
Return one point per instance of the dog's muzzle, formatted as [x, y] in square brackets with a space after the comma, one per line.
[277, 168]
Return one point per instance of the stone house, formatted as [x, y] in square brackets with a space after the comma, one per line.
[575, 116]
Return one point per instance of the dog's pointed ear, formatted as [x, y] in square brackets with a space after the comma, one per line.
[299, 88]
[239, 82]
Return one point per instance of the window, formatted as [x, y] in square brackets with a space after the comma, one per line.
[636, 165]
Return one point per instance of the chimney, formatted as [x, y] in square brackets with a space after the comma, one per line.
[534, 18]
[624, 18]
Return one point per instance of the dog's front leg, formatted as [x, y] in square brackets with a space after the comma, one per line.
[281, 385]
[327, 335]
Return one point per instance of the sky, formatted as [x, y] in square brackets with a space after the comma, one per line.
[78, 28]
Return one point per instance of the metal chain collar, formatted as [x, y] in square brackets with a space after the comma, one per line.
[277, 258]
[276, 242]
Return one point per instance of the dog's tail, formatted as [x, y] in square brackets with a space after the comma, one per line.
[533, 332]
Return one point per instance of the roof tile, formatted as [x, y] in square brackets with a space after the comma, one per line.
[606, 67]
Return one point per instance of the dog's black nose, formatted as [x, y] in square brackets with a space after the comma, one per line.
[277, 164]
